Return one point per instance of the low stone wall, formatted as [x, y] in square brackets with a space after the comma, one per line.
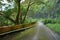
[11, 28]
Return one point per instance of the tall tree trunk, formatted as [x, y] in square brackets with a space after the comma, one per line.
[18, 14]
[27, 11]
[20, 17]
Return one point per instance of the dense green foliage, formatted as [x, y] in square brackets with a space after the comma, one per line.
[16, 11]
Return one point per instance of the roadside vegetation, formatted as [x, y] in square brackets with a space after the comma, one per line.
[53, 24]
[55, 27]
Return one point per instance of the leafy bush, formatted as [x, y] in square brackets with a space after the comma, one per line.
[28, 20]
[46, 21]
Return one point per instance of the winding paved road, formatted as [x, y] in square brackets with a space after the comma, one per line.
[39, 32]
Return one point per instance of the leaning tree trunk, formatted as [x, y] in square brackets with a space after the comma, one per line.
[26, 11]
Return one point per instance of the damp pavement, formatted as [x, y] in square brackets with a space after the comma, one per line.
[38, 32]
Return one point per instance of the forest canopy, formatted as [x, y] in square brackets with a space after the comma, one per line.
[17, 11]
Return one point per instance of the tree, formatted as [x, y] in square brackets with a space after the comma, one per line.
[19, 15]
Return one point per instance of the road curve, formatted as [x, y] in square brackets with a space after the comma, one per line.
[39, 32]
